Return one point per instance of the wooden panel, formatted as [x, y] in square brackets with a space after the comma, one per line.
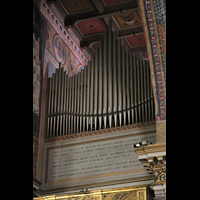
[75, 6]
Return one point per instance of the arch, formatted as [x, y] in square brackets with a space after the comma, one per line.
[80, 67]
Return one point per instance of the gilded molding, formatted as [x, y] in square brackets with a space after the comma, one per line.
[127, 193]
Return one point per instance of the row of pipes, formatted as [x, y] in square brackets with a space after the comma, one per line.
[114, 89]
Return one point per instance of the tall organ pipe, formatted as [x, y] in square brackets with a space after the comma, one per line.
[132, 90]
[67, 104]
[100, 89]
[113, 86]
[64, 102]
[55, 103]
[88, 95]
[75, 102]
[138, 84]
[69, 108]
[61, 101]
[145, 90]
[142, 90]
[72, 106]
[58, 103]
[119, 68]
[84, 95]
[81, 99]
[91, 91]
[128, 86]
[135, 89]
[105, 53]
[110, 41]
[124, 83]
[78, 102]
[96, 87]
[148, 92]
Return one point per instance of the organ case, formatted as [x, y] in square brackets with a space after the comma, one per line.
[114, 89]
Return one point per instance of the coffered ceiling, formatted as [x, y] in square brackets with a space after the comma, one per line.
[89, 18]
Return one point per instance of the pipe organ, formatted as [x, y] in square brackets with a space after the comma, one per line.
[114, 89]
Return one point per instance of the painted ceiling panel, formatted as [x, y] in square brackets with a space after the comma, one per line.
[90, 26]
[136, 40]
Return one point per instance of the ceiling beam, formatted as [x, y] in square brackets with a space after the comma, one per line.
[87, 40]
[99, 5]
[71, 20]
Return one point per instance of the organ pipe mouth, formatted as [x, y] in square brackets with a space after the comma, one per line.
[114, 89]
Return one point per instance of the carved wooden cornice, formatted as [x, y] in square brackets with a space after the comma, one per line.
[153, 158]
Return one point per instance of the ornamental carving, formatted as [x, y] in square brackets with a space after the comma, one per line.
[160, 176]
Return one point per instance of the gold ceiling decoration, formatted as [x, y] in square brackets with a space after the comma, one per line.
[127, 19]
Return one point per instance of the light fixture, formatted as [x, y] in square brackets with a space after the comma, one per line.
[144, 142]
[84, 190]
[137, 144]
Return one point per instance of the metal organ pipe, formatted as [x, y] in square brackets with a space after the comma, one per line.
[124, 84]
[95, 87]
[142, 90]
[67, 104]
[91, 91]
[64, 91]
[78, 102]
[105, 56]
[131, 87]
[114, 86]
[100, 89]
[85, 71]
[110, 41]
[75, 103]
[88, 93]
[128, 86]
[119, 68]
[145, 90]
[114, 82]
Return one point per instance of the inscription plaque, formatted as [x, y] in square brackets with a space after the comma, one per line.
[100, 158]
